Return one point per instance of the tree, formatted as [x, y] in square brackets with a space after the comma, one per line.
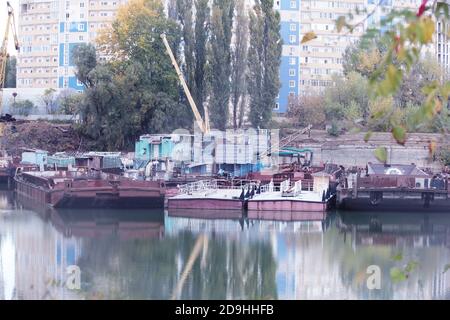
[138, 92]
[23, 107]
[407, 33]
[185, 17]
[365, 58]
[172, 9]
[195, 35]
[85, 58]
[239, 64]
[10, 77]
[201, 39]
[220, 61]
[264, 59]
[347, 99]
[69, 102]
[308, 110]
[49, 100]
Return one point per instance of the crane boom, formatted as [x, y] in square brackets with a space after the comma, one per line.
[10, 26]
[204, 125]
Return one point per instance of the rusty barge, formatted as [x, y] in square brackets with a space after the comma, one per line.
[88, 189]
[394, 188]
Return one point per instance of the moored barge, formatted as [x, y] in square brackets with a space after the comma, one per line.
[88, 189]
[394, 188]
[208, 195]
[302, 196]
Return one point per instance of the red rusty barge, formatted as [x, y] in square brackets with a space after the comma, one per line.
[394, 188]
[92, 189]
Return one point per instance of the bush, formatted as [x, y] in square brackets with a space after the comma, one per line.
[23, 107]
[334, 129]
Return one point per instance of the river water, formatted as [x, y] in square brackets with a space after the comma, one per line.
[154, 255]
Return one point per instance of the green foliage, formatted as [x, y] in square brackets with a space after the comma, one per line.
[185, 18]
[334, 129]
[308, 110]
[446, 268]
[202, 22]
[10, 72]
[381, 154]
[70, 102]
[238, 66]
[444, 155]
[220, 60]
[138, 92]
[399, 70]
[49, 99]
[23, 107]
[347, 99]
[264, 59]
[85, 58]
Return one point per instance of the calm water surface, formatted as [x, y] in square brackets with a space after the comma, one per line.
[154, 255]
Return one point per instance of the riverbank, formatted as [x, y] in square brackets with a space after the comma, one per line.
[50, 136]
[350, 149]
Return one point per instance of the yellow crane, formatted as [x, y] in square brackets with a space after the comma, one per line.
[10, 26]
[204, 125]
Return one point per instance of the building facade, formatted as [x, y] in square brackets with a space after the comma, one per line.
[49, 30]
[290, 57]
[308, 69]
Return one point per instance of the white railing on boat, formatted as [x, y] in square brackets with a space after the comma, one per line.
[198, 186]
[285, 185]
[211, 185]
[268, 187]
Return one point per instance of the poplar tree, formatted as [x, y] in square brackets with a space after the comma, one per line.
[264, 59]
[220, 60]
[201, 32]
[239, 64]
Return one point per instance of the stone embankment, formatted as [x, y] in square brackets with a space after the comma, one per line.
[350, 149]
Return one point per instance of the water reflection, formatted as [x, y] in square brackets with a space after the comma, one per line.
[212, 255]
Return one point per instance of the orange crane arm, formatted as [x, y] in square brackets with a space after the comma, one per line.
[204, 125]
[10, 26]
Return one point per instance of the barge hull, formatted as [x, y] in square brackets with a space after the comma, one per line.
[286, 205]
[410, 205]
[110, 203]
[286, 215]
[205, 204]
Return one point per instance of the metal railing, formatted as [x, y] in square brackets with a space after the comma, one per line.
[196, 186]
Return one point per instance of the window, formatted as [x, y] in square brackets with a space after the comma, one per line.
[293, 27]
[291, 84]
[292, 61]
[277, 106]
[293, 4]
[292, 38]
[80, 27]
[292, 72]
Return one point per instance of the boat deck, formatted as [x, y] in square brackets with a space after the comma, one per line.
[206, 195]
[232, 194]
[307, 196]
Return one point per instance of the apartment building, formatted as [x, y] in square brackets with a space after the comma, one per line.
[308, 68]
[290, 57]
[49, 30]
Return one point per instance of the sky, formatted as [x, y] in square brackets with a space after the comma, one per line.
[3, 17]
